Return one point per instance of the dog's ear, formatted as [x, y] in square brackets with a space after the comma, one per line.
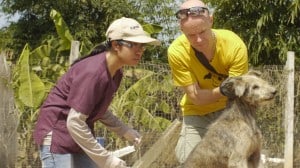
[239, 86]
[255, 73]
[227, 87]
[233, 87]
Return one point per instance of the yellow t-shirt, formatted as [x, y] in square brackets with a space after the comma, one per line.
[231, 59]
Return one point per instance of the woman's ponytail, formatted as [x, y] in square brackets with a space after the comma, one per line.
[104, 46]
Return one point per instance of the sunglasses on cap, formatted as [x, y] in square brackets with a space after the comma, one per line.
[193, 11]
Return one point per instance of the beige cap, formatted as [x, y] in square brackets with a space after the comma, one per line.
[130, 30]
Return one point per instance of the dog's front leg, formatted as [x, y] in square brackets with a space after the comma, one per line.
[238, 164]
[237, 159]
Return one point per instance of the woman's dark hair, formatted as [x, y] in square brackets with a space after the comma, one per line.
[104, 46]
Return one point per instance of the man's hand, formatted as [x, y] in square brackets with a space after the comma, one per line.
[200, 96]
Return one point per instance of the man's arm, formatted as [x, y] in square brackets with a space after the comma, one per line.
[202, 96]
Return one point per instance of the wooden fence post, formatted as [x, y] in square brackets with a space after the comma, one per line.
[74, 53]
[8, 118]
[289, 111]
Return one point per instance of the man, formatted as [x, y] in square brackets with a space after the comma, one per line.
[221, 49]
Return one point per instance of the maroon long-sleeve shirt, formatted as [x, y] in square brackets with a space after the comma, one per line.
[86, 87]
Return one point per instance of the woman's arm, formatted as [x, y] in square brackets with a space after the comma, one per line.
[83, 136]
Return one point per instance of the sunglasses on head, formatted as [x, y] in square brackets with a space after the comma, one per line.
[193, 11]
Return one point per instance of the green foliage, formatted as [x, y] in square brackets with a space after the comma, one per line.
[37, 71]
[152, 28]
[269, 28]
[141, 102]
[62, 31]
[160, 13]
[5, 39]
[88, 19]
[31, 89]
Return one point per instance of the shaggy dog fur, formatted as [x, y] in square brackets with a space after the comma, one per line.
[234, 140]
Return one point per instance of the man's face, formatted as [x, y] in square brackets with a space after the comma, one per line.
[197, 29]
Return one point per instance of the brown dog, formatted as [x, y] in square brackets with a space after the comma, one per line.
[234, 140]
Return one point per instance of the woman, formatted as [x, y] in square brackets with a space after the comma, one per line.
[65, 127]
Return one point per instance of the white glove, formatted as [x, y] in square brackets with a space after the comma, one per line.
[115, 162]
[133, 136]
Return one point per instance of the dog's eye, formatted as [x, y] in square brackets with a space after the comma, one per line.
[255, 87]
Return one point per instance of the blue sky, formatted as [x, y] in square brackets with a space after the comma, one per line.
[5, 20]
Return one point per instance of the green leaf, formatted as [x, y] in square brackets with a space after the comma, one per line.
[152, 28]
[31, 90]
[40, 55]
[42, 51]
[62, 30]
[165, 107]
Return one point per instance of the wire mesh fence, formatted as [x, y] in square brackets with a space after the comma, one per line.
[148, 101]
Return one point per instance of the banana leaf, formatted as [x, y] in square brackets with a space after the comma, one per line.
[62, 30]
[31, 89]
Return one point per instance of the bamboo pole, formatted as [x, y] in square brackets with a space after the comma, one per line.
[289, 112]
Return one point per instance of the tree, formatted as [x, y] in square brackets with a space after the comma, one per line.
[87, 19]
[160, 13]
[269, 28]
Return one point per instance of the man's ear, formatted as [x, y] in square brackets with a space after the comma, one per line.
[211, 19]
[211, 16]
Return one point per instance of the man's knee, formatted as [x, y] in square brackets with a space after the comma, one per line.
[184, 147]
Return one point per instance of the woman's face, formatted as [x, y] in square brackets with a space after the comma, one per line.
[130, 53]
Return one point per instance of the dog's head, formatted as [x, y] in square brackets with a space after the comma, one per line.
[249, 87]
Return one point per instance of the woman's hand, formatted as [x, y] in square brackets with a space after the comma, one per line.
[133, 136]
